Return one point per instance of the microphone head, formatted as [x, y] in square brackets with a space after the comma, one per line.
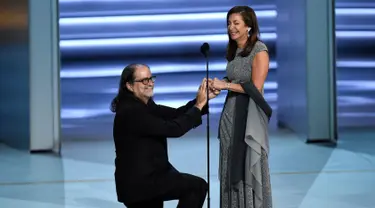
[205, 48]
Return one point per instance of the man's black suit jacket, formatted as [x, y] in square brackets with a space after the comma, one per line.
[140, 134]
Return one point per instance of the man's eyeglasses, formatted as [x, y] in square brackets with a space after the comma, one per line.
[145, 81]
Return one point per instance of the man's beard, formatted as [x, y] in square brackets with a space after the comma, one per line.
[149, 91]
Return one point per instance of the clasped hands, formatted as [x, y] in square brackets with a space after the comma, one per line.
[214, 86]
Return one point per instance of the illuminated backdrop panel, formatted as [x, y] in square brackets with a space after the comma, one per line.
[98, 38]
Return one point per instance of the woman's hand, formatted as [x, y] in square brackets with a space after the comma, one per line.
[212, 92]
[212, 89]
[218, 84]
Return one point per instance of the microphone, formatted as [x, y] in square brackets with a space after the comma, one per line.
[205, 48]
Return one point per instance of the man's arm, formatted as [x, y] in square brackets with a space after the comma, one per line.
[149, 125]
[169, 112]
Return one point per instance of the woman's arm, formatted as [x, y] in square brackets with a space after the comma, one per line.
[259, 73]
[259, 70]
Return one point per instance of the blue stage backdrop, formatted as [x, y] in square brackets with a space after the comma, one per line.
[100, 37]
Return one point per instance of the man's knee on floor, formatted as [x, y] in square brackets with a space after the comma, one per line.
[202, 185]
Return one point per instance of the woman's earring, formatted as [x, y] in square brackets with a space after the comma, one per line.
[248, 31]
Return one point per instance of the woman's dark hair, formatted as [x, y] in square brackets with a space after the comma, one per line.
[127, 75]
[250, 19]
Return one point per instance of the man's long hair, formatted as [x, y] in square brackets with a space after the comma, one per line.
[127, 76]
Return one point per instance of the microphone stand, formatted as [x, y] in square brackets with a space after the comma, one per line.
[208, 134]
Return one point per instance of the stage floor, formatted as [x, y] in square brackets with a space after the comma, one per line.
[303, 176]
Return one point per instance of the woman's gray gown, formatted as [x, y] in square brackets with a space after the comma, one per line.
[243, 196]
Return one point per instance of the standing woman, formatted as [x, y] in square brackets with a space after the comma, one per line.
[243, 131]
